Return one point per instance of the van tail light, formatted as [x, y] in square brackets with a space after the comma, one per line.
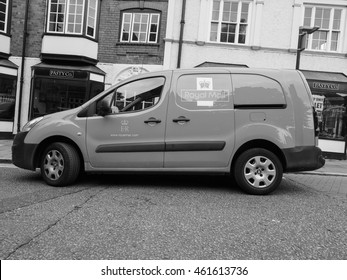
[315, 120]
[316, 127]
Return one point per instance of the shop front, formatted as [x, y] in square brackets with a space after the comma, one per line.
[60, 87]
[8, 81]
[329, 92]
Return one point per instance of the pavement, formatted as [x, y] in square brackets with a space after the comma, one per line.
[5, 151]
[332, 177]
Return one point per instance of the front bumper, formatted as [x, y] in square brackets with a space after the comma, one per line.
[303, 158]
[23, 154]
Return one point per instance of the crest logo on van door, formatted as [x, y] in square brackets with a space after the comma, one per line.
[204, 84]
[124, 130]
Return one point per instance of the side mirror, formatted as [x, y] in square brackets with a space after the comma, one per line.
[105, 108]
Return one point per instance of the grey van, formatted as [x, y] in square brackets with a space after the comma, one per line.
[254, 124]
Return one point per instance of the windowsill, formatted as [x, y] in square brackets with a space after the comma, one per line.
[69, 35]
[232, 45]
[137, 44]
[341, 139]
[6, 120]
[5, 34]
[227, 44]
[324, 53]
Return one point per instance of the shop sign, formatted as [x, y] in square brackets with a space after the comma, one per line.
[61, 73]
[318, 101]
[319, 85]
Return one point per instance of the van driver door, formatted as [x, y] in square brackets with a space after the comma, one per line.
[132, 135]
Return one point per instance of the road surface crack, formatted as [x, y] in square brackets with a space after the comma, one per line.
[41, 201]
[74, 209]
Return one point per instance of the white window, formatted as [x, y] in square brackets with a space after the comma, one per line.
[230, 21]
[91, 19]
[75, 16]
[68, 17]
[329, 21]
[140, 28]
[3, 15]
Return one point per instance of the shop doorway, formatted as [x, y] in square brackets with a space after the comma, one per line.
[50, 95]
[7, 97]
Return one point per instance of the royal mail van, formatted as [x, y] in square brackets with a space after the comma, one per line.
[254, 124]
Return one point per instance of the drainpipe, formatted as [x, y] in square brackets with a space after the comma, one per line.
[25, 33]
[180, 42]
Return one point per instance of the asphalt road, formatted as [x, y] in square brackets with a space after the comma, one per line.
[166, 217]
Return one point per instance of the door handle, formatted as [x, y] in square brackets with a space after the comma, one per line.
[181, 120]
[152, 121]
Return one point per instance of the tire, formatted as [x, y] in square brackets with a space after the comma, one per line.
[60, 164]
[258, 171]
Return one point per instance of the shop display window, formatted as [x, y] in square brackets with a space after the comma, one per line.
[331, 111]
[7, 97]
[54, 95]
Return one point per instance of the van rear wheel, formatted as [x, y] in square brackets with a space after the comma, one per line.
[60, 164]
[258, 171]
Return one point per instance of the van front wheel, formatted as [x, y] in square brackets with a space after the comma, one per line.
[258, 171]
[60, 164]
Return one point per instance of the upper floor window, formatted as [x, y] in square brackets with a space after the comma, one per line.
[329, 21]
[72, 17]
[140, 27]
[4, 5]
[230, 21]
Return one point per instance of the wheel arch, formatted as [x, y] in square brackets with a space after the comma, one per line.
[260, 143]
[45, 143]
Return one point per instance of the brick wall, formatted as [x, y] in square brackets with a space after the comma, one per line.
[36, 21]
[112, 51]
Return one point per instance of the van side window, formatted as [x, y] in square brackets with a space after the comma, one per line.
[137, 95]
[204, 92]
[253, 90]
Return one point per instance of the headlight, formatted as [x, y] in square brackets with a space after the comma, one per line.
[31, 124]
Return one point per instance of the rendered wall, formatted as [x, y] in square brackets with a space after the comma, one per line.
[273, 37]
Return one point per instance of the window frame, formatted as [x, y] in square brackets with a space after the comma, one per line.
[148, 32]
[85, 16]
[329, 30]
[10, 97]
[7, 17]
[129, 102]
[238, 23]
[95, 18]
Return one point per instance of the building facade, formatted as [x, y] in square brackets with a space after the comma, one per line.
[265, 33]
[57, 54]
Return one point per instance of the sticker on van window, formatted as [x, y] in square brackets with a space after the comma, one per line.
[204, 103]
[204, 84]
[190, 95]
[200, 92]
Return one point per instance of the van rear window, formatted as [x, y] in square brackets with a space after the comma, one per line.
[251, 90]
